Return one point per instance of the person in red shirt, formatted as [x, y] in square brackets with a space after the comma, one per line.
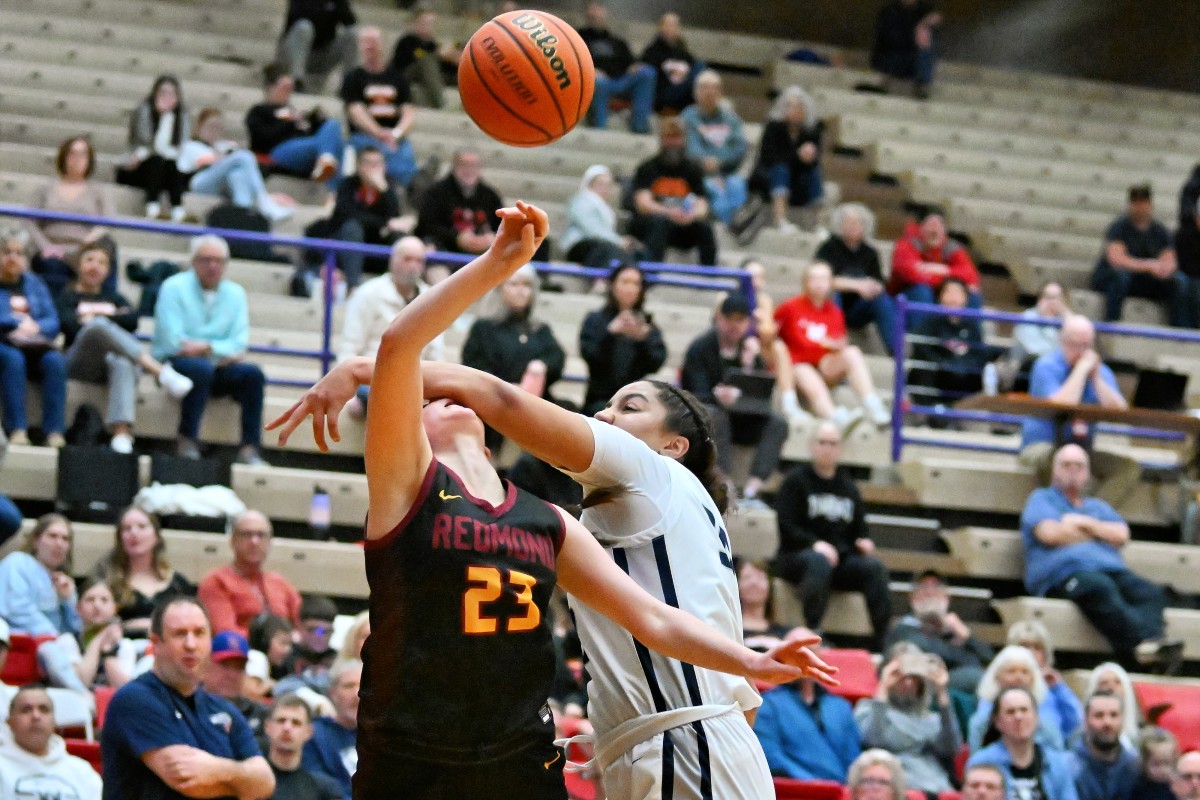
[813, 329]
[923, 257]
[235, 594]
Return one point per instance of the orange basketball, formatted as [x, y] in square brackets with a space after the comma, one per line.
[526, 78]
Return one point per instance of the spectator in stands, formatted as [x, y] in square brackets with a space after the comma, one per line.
[937, 630]
[37, 594]
[1074, 373]
[318, 37]
[759, 629]
[813, 329]
[202, 326]
[304, 144]
[1073, 550]
[101, 654]
[1112, 678]
[158, 128]
[857, 272]
[788, 170]
[983, 782]
[237, 593]
[807, 733]
[1030, 768]
[670, 200]
[1016, 667]
[29, 325]
[904, 43]
[1158, 752]
[900, 719]
[376, 302]
[1105, 769]
[72, 192]
[272, 634]
[926, 256]
[289, 727]
[1032, 341]
[1187, 235]
[10, 515]
[367, 211]
[952, 353]
[379, 108]
[458, 213]
[618, 75]
[167, 736]
[591, 236]
[216, 166]
[824, 542]
[226, 675]
[34, 762]
[620, 341]
[877, 775]
[311, 657]
[420, 59]
[674, 64]
[137, 571]
[1034, 637]
[728, 347]
[98, 326]
[1186, 783]
[1138, 260]
[331, 751]
[715, 140]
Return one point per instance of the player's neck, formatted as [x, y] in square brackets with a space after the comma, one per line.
[471, 465]
[286, 760]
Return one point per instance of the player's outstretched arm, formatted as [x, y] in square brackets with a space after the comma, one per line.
[587, 572]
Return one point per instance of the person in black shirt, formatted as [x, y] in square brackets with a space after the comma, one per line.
[458, 213]
[419, 58]
[670, 202]
[788, 170]
[951, 348]
[674, 64]
[288, 727]
[1139, 260]
[728, 346]
[857, 275]
[303, 144]
[368, 211]
[904, 42]
[379, 108]
[617, 74]
[318, 37]
[824, 543]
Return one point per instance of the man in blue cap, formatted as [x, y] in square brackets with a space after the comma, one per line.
[227, 673]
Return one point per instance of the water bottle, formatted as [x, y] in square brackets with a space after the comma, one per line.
[320, 513]
[991, 380]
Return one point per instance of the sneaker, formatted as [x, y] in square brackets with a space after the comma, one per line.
[355, 408]
[187, 448]
[153, 210]
[19, 437]
[250, 456]
[846, 418]
[122, 443]
[56, 440]
[1163, 655]
[178, 214]
[274, 212]
[877, 411]
[787, 227]
[325, 168]
[176, 384]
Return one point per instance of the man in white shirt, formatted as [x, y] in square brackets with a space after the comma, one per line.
[375, 303]
[34, 762]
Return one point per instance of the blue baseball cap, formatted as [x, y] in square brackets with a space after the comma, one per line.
[230, 644]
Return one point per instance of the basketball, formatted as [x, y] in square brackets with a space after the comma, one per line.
[526, 78]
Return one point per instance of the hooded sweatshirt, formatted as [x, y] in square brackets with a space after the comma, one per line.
[25, 776]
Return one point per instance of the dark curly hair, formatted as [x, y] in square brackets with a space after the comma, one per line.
[687, 417]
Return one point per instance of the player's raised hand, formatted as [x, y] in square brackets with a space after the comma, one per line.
[324, 402]
[522, 230]
[794, 659]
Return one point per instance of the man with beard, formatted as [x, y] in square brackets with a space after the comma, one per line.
[934, 628]
[1104, 768]
[899, 718]
[670, 203]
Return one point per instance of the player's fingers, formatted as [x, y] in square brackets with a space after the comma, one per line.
[508, 212]
[805, 641]
[275, 423]
[318, 424]
[294, 419]
[332, 422]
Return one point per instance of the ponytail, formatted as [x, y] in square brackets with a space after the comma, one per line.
[687, 417]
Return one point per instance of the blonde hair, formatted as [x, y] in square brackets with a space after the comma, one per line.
[989, 686]
[879, 757]
[1025, 630]
[346, 652]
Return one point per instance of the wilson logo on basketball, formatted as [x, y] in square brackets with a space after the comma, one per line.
[518, 86]
[545, 40]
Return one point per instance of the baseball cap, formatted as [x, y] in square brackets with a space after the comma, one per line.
[735, 304]
[230, 644]
[3, 632]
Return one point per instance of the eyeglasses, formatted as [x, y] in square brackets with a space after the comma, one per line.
[878, 783]
[252, 535]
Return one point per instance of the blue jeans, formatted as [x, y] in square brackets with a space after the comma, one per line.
[50, 369]
[923, 293]
[1126, 608]
[1117, 284]
[10, 518]
[881, 310]
[236, 176]
[802, 187]
[242, 381]
[637, 86]
[916, 65]
[300, 155]
[727, 195]
[399, 162]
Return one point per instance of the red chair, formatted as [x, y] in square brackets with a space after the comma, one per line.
[103, 696]
[1183, 716]
[22, 665]
[790, 789]
[88, 751]
[856, 673]
[960, 761]
[949, 794]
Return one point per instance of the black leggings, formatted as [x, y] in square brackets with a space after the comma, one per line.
[156, 175]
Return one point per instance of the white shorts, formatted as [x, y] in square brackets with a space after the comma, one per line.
[671, 764]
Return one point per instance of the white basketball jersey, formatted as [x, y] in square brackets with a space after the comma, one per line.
[663, 529]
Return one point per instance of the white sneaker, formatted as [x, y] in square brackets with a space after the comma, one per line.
[178, 213]
[175, 384]
[274, 212]
[122, 443]
[877, 411]
[846, 418]
[153, 210]
[786, 226]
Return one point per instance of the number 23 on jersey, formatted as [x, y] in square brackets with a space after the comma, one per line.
[484, 586]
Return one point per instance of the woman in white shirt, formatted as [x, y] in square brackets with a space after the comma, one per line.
[218, 166]
[591, 236]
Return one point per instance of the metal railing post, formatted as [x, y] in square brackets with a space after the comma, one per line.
[328, 274]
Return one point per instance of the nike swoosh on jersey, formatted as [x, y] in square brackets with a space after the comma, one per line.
[557, 756]
[442, 494]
